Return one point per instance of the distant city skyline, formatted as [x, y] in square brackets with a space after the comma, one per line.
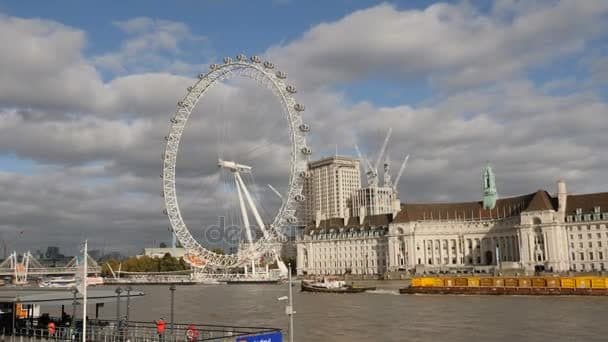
[85, 101]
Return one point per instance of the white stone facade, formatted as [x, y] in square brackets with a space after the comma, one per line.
[339, 251]
[525, 233]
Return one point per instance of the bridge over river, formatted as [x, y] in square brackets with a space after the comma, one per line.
[20, 267]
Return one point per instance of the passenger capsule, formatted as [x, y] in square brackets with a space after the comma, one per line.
[281, 75]
[304, 128]
[255, 59]
[241, 57]
[291, 89]
[299, 107]
[306, 150]
[292, 219]
[173, 120]
[201, 76]
[165, 211]
[227, 60]
[299, 198]
[189, 88]
[180, 103]
[304, 174]
[213, 66]
[268, 65]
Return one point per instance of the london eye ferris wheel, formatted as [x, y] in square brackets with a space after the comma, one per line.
[261, 232]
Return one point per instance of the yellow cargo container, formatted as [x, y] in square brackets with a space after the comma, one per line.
[461, 282]
[538, 282]
[499, 282]
[582, 283]
[427, 282]
[486, 282]
[553, 282]
[598, 283]
[567, 283]
[473, 282]
[416, 282]
[437, 282]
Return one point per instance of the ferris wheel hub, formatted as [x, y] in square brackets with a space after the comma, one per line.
[233, 166]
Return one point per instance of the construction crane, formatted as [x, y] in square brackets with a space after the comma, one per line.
[371, 171]
[367, 166]
[400, 173]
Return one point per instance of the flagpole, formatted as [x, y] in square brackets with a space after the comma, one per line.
[84, 293]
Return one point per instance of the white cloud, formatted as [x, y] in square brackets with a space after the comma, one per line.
[149, 43]
[452, 45]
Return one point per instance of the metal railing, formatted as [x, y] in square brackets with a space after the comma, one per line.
[109, 331]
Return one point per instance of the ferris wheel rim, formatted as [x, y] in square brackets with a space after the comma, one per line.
[265, 74]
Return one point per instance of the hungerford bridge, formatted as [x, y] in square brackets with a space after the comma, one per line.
[19, 268]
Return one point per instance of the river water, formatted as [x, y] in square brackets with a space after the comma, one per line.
[381, 316]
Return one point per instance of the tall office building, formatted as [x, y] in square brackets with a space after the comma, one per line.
[329, 187]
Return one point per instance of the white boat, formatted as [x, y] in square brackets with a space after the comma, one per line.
[58, 282]
[68, 282]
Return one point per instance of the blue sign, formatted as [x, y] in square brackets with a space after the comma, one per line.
[269, 337]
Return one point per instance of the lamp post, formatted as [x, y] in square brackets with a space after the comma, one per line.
[118, 292]
[74, 303]
[172, 289]
[289, 307]
[129, 289]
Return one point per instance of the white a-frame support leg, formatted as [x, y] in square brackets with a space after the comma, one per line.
[243, 210]
[254, 210]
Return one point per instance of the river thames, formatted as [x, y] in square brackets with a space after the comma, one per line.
[383, 315]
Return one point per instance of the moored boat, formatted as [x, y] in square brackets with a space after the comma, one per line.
[333, 287]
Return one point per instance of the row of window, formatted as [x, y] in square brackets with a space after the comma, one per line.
[581, 256]
[587, 217]
[370, 263]
[346, 235]
[589, 227]
[591, 267]
[590, 244]
[589, 236]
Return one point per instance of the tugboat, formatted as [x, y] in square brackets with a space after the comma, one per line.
[333, 286]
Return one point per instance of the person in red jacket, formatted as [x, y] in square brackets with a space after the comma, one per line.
[160, 328]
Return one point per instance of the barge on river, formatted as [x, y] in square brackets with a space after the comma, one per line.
[583, 286]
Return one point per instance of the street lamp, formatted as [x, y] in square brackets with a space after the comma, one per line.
[118, 292]
[129, 289]
[74, 303]
[172, 289]
[289, 307]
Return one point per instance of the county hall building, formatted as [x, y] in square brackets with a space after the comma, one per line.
[537, 231]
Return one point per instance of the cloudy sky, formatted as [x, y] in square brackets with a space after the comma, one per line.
[86, 93]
